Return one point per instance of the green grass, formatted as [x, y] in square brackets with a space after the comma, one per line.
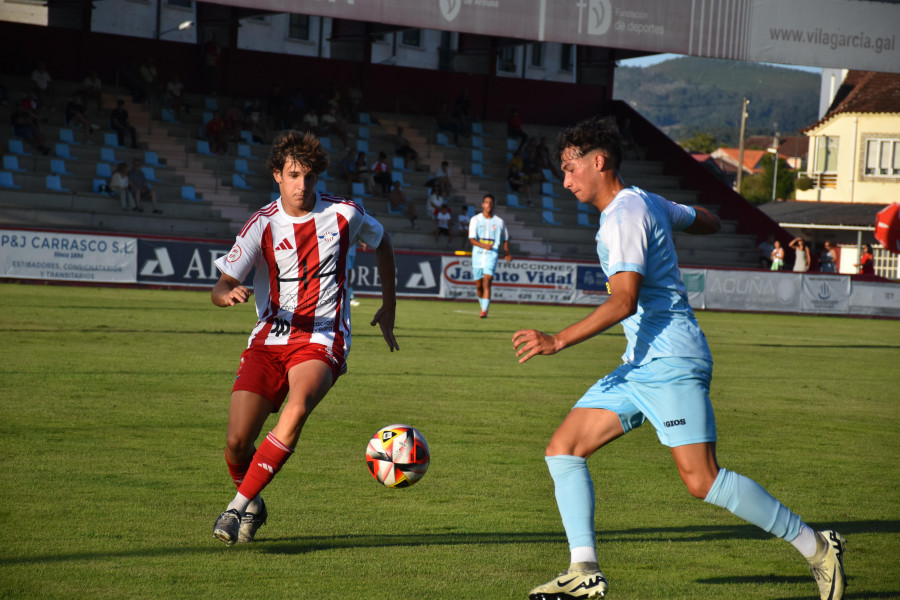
[112, 433]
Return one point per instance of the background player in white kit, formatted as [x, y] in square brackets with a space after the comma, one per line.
[299, 245]
[665, 377]
[487, 232]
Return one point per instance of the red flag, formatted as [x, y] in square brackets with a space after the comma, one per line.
[887, 228]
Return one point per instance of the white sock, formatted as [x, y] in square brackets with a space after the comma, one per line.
[254, 505]
[805, 542]
[239, 503]
[584, 554]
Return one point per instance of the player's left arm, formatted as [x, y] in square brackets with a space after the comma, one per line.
[624, 289]
[705, 222]
[387, 272]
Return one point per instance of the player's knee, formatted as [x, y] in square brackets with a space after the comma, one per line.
[238, 446]
[698, 485]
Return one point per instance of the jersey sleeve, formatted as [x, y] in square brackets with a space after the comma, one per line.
[370, 231]
[240, 260]
[625, 233]
[473, 228]
[681, 215]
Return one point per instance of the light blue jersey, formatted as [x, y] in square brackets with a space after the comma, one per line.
[492, 231]
[636, 235]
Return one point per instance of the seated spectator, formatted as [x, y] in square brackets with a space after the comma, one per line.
[447, 122]
[514, 127]
[330, 123]
[119, 185]
[442, 224]
[118, 120]
[26, 127]
[75, 116]
[42, 86]
[404, 150]
[92, 89]
[442, 181]
[531, 162]
[139, 188]
[462, 226]
[234, 122]
[381, 173]
[255, 122]
[216, 134]
[399, 203]
[434, 203]
[516, 178]
[348, 166]
[175, 96]
[363, 173]
[462, 112]
[311, 121]
[545, 159]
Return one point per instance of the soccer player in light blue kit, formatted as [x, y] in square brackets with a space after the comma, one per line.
[665, 377]
[487, 232]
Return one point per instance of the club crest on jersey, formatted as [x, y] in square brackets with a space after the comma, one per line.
[235, 254]
[328, 236]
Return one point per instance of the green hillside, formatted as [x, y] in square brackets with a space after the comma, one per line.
[684, 96]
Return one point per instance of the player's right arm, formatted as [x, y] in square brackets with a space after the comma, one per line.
[705, 222]
[228, 291]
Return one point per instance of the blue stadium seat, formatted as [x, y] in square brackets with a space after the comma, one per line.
[320, 186]
[398, 165]
[243, 151]
[363, 133]
[477, 129]
[477, 170]
[151, 159]
[211, 104]
[362, 146]
[58, 167]
[584, 220]
[111, 140]
[203, 148]
[67, 136]
[365, 119]
[11, 163]
[273, 196]
[358, 189]
[247, 136]
[477, 142]
[442, 139]
[150, 174]
[168, 115]
[104, 170]
[16, 147]
[512, 144]
[548, 174]
[239, 182]
[108, 155]
[477, 156]
[397, 176]
[547, 189]
[325, 141]
[99, 186]
[241, 166]
[583, 208]
[63, 151]
[53, 182]
[513, 201]
[547, 204]
[206, 117]
[6, 181]
[547, 217]
[187, 193]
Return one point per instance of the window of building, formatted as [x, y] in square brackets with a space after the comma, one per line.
[412, 37]
[537, 55]
[566, 57]
[506, 59]
[298, 28]
[826, 154]
[883, 158]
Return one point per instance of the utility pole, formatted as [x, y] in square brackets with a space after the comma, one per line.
[740, 166]
[775, 154]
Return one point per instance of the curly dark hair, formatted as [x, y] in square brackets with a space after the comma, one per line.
[594, 133]
[303, 147]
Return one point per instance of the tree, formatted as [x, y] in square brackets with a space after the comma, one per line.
[700, 142]
[757, 188]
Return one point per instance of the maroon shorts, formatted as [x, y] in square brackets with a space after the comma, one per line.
[264, 369]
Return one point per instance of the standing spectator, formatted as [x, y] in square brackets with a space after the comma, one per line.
[175, 96]
[802, 258]
[777, 257]
[765, 248]
[118, 120]
[381, 173]
[140, 188]
[487, 232]
[828, 259]
[867, 260]
[149, 80]
[295, 354]
[42, 85]
[514, 127]
[92, 88]
[404, 150]
[119, 185]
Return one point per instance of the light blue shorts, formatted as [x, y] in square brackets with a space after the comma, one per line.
[486, 264]
[672, 393]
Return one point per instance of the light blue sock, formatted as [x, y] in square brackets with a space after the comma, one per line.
[574, 497]
[748, 500]
[487, 303]
[481, 303]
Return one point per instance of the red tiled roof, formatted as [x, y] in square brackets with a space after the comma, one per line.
[865, 92]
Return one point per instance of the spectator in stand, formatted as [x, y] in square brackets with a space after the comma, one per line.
[531, 162]
[363, 173]
[92, 89]
[828, 259]
[234, 122]
[119, 185]
[514, 127]
[405, 151]
[399, 203]
[348, 166]
[434, 203]
[310, 122]
[175, 96]
[447, 122]
[777, 257]
[75, 116]
[802, 258]
[462, 226]
[443, 221]
[26, 127]
[149, 81]
[443, 182]
[462, 112]
[867, 261]
[118, 120]
[381, 173]
[545, 159]
[42, 86]
[765, 248]
[331, 123]
[139, 188]
[216, 134]
[516, 178]
[255, 122]
[276, 107]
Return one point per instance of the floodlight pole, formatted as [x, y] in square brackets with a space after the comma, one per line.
[775, 154]
[740, 165]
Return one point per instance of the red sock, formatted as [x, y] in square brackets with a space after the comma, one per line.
[238, 471]
[268, 460]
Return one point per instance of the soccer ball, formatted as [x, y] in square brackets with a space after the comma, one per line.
[397, 456]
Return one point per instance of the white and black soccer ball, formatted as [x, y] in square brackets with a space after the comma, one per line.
[397, 456]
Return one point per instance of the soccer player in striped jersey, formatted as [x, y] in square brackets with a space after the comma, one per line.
[299, 247]
[665, 377]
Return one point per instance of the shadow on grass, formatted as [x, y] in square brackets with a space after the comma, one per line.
[306, 544]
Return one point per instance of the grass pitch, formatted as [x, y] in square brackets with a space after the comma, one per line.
[114, 406]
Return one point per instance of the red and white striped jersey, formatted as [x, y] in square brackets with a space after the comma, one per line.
[300, 282]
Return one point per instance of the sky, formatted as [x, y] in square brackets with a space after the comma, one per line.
[646, 61]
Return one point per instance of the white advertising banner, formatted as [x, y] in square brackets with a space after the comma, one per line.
[824, 294]
[536, 281]
[751, 290]
[67, 256]
[871, 298]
